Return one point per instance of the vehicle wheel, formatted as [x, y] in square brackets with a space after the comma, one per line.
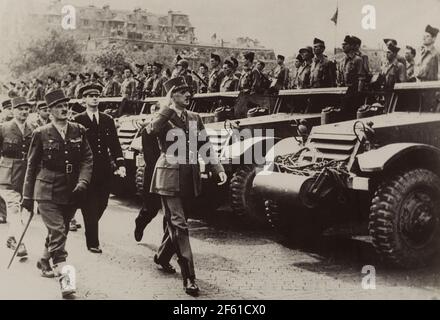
[404, 218]
[139, 179]
[295, 227]
[243, 201]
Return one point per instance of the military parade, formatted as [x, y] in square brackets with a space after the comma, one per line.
[292, 147]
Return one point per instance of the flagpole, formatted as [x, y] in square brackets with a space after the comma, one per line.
[335, 32]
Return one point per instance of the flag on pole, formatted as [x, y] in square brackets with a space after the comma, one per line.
[335, 17]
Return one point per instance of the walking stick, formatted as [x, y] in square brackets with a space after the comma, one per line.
[31, 215]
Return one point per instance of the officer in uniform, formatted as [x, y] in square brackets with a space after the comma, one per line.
[216, 75]
[111, 87]
[304, 71]
[43, 114]
[427, 68]
[410, 55]
[176, 178]
[103, 140]
[321, 70]
[58, 172]
[229, 82]
[392, 70]
[15, 138]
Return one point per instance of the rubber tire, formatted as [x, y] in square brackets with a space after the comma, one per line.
[385, 215]
[139, 179]
[243, 203]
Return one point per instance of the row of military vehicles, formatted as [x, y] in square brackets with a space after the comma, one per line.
[305, 160]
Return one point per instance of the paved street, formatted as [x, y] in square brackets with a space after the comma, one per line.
[231, 263]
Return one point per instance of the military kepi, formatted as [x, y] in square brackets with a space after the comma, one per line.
[178, 83]
[19, 102]
[55, 97]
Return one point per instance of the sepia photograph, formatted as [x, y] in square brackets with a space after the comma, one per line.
[219, 155]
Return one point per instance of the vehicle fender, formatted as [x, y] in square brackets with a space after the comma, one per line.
[380, 159]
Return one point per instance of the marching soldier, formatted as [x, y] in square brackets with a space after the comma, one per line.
[111, 87]
[58, 172]
[321, 70]
[427, 68]
[303, 80]
[410, 54]
[229, 82]
[103, 140]
[216, 75]
[392, 70]
[350, 69]
[43, 114]
[279, 75]
[298, 63]
[202, 86]
[177, 178]
[15, 138]
[128, 91]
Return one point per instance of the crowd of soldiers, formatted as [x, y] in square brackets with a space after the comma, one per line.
[64, 165]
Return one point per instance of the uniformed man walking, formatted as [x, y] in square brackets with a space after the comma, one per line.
[15, 138]
[216, 75]
[103, 140]
[58, 173]
[427, 68]
[321, 70]
[229, 82]
[176, 178]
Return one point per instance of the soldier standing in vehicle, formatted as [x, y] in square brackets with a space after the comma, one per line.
[202, 86]
[392, 70]
[103, 140]
[410, 55]
[279, 75]
[350, 70]
[304, 72]
[237, 73]
[427, 69]
[297, 63]
[321, 70]
[111, 87]
[229, 82]
[15, 138]
[247, 77]
[59, 169]
[176, 178]
[365, 60]
[157, 89]
[128, 91]
[216, 74]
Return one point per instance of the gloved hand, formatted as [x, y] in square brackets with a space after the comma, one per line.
[28, 204]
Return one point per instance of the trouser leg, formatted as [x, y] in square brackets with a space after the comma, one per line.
[178, 236]
[92, 211]
[16, 224]
[150, 207]
[56, 217]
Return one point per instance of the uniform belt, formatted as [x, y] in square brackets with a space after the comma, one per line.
[64, 168]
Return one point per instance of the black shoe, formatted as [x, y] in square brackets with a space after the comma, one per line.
[138, 232]
[191, 288]
[46, 269]
[95, 250]
[165, 267]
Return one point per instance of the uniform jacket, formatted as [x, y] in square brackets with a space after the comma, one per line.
[280, 77]
[111, 88]
[215, 79]
[394, 72]
[170, 177]
[14, 147]
[350, 71]
[321, 73]
[428, 65]
[202, 87]
[157, 89]
[246, 80]
[128, 89]
[105, 146]
[410, 71]
[229, 83]
[303, 77]
[56, 165]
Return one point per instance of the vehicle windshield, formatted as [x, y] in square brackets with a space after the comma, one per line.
[417, 101]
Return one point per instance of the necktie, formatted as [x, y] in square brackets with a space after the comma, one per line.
[94, 121]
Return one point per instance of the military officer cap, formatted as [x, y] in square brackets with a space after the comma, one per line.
[431, 30]
[140, 66]
[393, 41]
[216, 57]
[41, 105]
[235, 62]
[19, 102]
[318, 41]
[7, 104]
[230, 64]
[158, 65]
[178, 83]
[204, 65]
[250, 56]
[55, 97]
[109, 71]
[412, 50]
[356, 40]
[391, 47]
[306, 49]
[299, 58]
[89, 89]
[281, 57]
[184, 63]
